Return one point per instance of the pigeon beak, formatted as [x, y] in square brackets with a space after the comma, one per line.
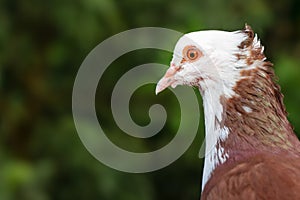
[166, 80]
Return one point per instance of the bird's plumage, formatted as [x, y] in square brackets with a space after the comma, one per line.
[251, 149]
[261, 176]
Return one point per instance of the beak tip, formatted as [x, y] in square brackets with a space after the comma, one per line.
[165, 82]
[157, 90]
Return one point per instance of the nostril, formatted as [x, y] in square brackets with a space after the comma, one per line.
[175, 67]
[170, 72]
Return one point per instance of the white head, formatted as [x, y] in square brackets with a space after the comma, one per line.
[210, 60]
[213, 61]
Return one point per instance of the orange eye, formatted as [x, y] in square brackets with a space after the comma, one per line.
[191, 53]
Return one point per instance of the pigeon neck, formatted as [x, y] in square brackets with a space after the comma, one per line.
[253, 120]
[256, 116]
[215, 132]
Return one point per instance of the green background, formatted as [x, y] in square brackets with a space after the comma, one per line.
[43, 44]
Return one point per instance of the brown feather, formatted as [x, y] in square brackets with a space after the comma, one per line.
[262, 176]
[264, 152]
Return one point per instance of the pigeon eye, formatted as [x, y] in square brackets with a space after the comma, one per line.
[192, 53]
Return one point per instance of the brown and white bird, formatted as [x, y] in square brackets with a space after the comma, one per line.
[251, 149]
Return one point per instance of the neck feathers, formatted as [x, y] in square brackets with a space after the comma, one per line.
[256, 116]
[253, 119]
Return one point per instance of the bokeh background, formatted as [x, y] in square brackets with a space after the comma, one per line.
[43, 44]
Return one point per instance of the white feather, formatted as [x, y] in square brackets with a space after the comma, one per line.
[219, 69]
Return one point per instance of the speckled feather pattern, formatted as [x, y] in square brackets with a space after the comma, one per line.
[263, 151]
[251, 150]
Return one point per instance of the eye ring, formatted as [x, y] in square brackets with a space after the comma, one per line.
[191, 53]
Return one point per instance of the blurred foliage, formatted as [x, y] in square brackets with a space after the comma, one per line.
[42, 46]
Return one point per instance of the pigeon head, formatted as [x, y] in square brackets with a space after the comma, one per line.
[212, 60]
[245, 118]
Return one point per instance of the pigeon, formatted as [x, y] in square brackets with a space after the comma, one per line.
[251, 149]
